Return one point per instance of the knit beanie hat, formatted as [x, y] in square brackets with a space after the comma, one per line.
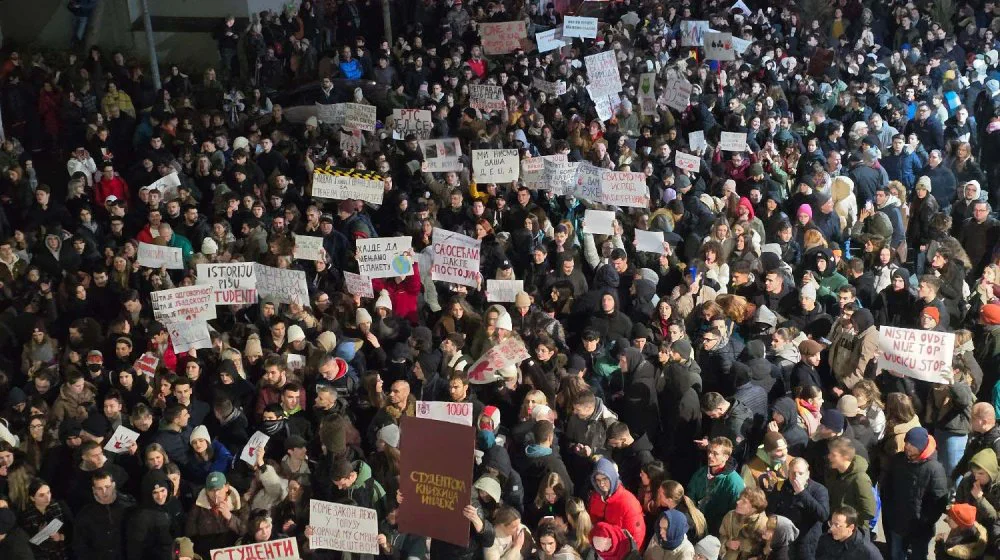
[805, 209]
[253, 347]
[295, 334]
[201, 432]
[964, 515]
[772, 440]
[362, 316]
[522, 299]
[504, 322]
[933, 313]
[990, 314]
[493, 413]
[327, 340]
[917, 437]
[209, 246]
[383, 300]
[489, 485]
[390, 435]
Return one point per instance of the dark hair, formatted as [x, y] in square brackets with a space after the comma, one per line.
[850, 515]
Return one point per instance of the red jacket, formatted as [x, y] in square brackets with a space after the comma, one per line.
[402, 294]
[105, 188]
[620, 509]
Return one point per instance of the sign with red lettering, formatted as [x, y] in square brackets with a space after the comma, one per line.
[502, 37]
[147, 364]
[281, 549]
[486, 97]
[456, 258]
[624, 188]
[510, 351]
[254, 447]
[342, 527]
[915, 353]
[189, 304]
[435, 486]
[456, 413]
[232, 283]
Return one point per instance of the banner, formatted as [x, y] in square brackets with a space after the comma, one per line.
[533, 170]
[598, 221]
[281, 549]
[383, 257]
[456, 258]
[442, 155]
[733, 141]
[406, 121]
[503, 291]
[602, 74]
[647, 93]
[121, 441]
[486, 97]
[548, 40]
[326, 184]
[693, 33]
[183, 305]
[719, 46]
[502, 37]
[924, 355]
[436, 486]
[582, 27]
[232, 283]
[455, 412]
[255, 446]
[358, 285]
[359, 116]
[185, 336]
[495, 166]
[281, 284]
[308, 247]
[687, 162]
[509, 352]
[624, 188]
[342, 527]
[157, 256]
[551, 88]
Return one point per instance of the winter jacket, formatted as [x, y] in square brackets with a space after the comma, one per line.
[209, 530]
[74, 405]
[795, 435]
[221, 461]
[620, 507]
[914, 493]
[676, 546]
[403, 295]
[852, 488]
[736, 425]
[497, 458]
[153, 528]
[717, 495]
[742, 528]
[855, 547]
[539, 462]
[986, 512]
[15, 546]
[963, 543]
[977, 443]
[176, 444]
[807, 510]
[100, 529]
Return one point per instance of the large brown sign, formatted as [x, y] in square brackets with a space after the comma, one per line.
[435, 478]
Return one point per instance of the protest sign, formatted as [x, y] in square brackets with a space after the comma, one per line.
[435, 486]
[503, 291]
[533, 170]
[741, 45]
[559, 176]
[924, 355]
[548, 40]
[183, 305]
[147, 364]
[359, 116]
[647, 93]
[347, 185]
[383, 257]
[602, 73]
[454, 412]
[156, 256]
[456, 258]
[185, 336]
[630, 18]
[281, 549]
[281, 284]
[599, 221]
[442, 155]
[693, 32]
[232, 283]
[587, 183]
[167, 185]
[649, 241]
[308, 247]
[606, 105]
[255, 446]
[406, 121]
[358, 285]
[719, 46]
[551, 88]
[351, 141]
[582, 27]
[502, 37]
[342, 527]
[624, 188]
[733, 141]
[509, 352]
[742, 7]
[46, 532]
[486, 97]
[331, 113]
[696, 140]
[121, 441]
[295, 362]
[495, 166]
[687, 162]
[677, 94]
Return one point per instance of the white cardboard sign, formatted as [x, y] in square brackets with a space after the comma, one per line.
[342, 527]
[733, 141]
[649, 241]
[599, 221]
[383, 257]
[915, 353]
[719, 46]
[582, 27]
[486, 97]
[232, 283]
[602, 73]
[358, 285]
[548, 41]
[255, 445]
[456, 258]
[442, 155]
[495, 166]
[687, 162]
[341, 187]
[282, 285]
[156, 256]
[308, 247]
[503, 291]
[121, 441]
[455, 413]
[183, 305]
[185, 336]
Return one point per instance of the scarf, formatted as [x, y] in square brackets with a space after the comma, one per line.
[272, 427]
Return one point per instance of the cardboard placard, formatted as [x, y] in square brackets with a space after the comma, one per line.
[509, 352]
[341, 187]
[351, 141]
[649, 241]
[486, 97]
[185, 336]
[624, 188]
[442, 155]
[358, 285]
[533, 170]
[503, 291]
[405, 121]
[308, 247]
[696, 140]
[502, 37]
[121, 441]
[456, 258]
[687, 162]
[677, 94]
[598, 221]
[551, 88]
[582, 27]
[733, 141]
[647, 93]
[232, 283]
[359, 116]
[342, 527]
[920, 354]
[183, 305]
[560, 176]
[547, 40]
[255, 445]
[383, 257]
[602, 73]
[607, 105]
[281, 284]
[495, 166]
[156, 256]
[147, 364]
[719, 46]
[587, 183]
[693, 32]
[333, 114]
[167, 185]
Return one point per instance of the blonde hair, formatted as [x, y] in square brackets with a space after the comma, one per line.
[579, 520]
[675, 491]
[553, 481]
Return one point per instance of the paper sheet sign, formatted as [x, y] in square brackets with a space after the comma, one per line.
[456, 258]
[603, 77]
[599, 221]
[486, 97]
[147, 364]
[533, 170]
[920, 354]
[547, 40]
[551, 88]
[384, 257]
[167, 185]
[156, 256]
[696, 140]
[331, 113]
[406, 121]
[283, 285]
[687, 162]
[647, 93]
[510, 351]
[46, 532]
[185, 336]
[295, 361]
[358, 285]
[281, 549]
[121, 441]
[442, 155]
[183, 305]
[351, 141]
[254, 447]
[308, 247]
[624, 188]
[495, 166]
[503, 291]
[582, 27]
[502, 37]
[359, 116]
[649, 241]
[719, 46]
[677, 94]
[343, 527]
[733, 141]
[456, 413]
[232, 283]
[693, 32]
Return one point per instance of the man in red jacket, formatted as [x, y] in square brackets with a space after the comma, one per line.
[110, 185]
[612, 503]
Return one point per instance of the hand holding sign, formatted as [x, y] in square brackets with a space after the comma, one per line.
[253, 451]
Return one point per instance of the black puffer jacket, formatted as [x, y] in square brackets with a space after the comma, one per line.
[808, 510]
[914, 494]
[638, 405]
[153, 528]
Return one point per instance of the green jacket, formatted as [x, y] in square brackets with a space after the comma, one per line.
[986, 513]
[852, 488]
[717, 496]
[366, 491]
[178, 241]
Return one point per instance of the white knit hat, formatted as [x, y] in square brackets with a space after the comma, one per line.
[209, 246]
[201, 432]
[383, 300]
[362, 316]
[295, 333]
[503, 322]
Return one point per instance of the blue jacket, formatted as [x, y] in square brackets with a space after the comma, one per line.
[903, 167]
[221, 461]
[351, 69]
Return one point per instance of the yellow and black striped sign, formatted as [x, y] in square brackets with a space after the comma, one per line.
[345, 172]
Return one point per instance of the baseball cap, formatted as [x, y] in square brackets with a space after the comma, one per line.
[215, 481]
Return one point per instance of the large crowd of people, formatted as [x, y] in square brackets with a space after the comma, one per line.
[719, 399]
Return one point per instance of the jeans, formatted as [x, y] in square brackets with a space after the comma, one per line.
[900, 546]
[951, 446]
[80, 27]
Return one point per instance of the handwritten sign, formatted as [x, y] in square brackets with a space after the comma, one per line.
[121, 441]
[503, 291]
[183, 305]
[533, 170]
[696, 140]
[502, 37]
[560, 176]
[456, 258]
[602, 73]
[255, 446]
[733, 141]
[677, 94]
[156, 256]
[587, 183]
[383, 257]
[442, 155]
[624, 188]
[924, 355]
[719, 46]
[281, 549]
[46, 532]
[582, 27]
[167, 185]
[548, 40]
[606, 105]
[342, 527]
[509, 352]
[687, 162]
[693, 32]
[495, 166]
[359, 116]
[599, 221]
[551, 88]
[342, 187]
[334, 113]
[308, 247]
[455, 413]
[486, 97]
[647, 93]
[351, 141]
[232, 283]
[147, 364]
[185, 336]
[649, 241]
[407, 121]
[358, 285]
[281, 284]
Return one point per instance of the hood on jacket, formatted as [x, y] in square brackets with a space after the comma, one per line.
[535, 451]
[862, 320]
[153, 480]
[904, 274]
[497, 458]
[677, 528]
[745, 203]
[633, 359]
[606, 277]
[609, 541]
[755, 349]
[786, 407]
[644, 290]
[987, 461]
[607, 468]
[784, 533]
[364, 474]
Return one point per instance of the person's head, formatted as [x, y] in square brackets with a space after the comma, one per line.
[584, 405]
[843, 523]
[720, 449]
[399, 393]
[714, 405]
[102, 484]
[983, 417]
[751, 501]
[712, 339]
[840, 454]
